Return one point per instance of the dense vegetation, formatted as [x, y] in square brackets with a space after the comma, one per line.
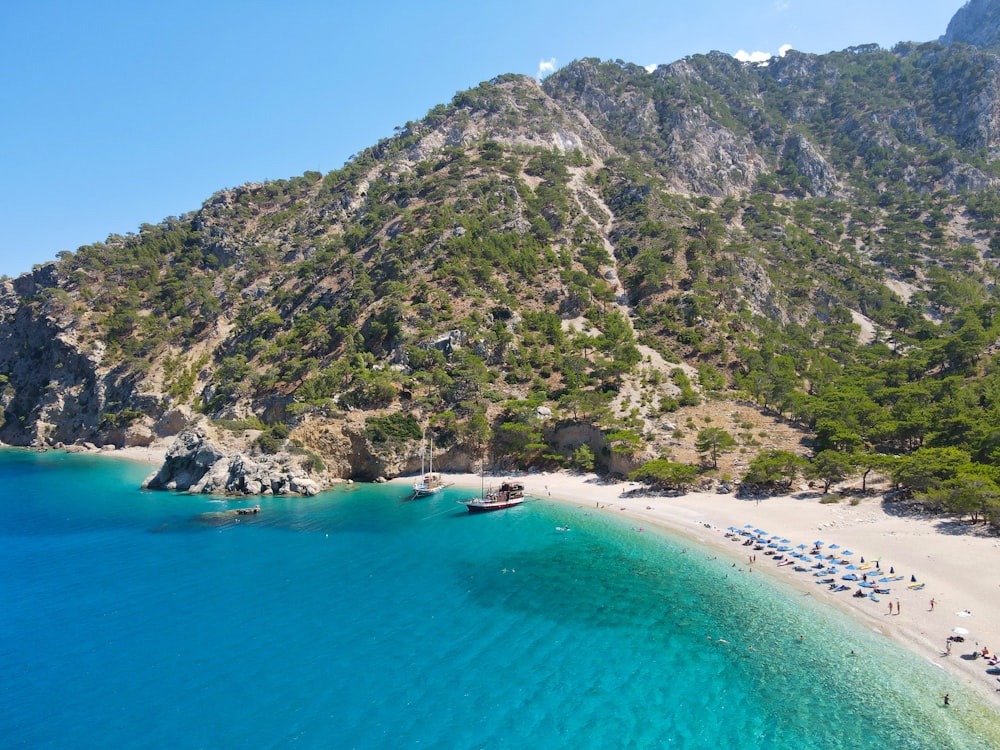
[833, 263]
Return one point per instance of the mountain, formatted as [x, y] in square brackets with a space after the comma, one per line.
[716, 263]
[976, 23]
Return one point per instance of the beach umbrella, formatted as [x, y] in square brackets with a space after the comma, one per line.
[834, 546]
[731, 528]
[748, 526]
[786, 541]
[802, 546]
[852, 567]
[959, 631]
[847, 552]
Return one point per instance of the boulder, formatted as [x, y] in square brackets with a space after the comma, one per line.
[188, 459]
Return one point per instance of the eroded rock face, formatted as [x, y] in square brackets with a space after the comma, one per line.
[188, 460]
[195, 464]
[977, 22]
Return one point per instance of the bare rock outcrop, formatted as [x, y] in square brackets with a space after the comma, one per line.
[195, 463]
[188, 460]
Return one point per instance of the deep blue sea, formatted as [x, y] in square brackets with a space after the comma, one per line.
[358, 619]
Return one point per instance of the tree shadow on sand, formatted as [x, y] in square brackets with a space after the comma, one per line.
[949, 524]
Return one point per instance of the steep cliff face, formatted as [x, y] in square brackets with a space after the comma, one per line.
[53, 389]
[666, 117]
[58, 388]
[977, 22]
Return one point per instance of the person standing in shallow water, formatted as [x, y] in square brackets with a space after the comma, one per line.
[947, 699]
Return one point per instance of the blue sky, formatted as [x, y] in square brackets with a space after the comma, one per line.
[115, 114]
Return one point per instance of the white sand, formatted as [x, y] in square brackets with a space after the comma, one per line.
[154, 454]
[957, 563]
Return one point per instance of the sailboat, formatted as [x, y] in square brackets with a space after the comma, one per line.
[509, 495]
[430, 482]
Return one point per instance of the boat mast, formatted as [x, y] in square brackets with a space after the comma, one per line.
[423, 453]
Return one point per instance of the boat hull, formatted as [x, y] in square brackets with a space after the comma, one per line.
[426, 491]
[481, 506]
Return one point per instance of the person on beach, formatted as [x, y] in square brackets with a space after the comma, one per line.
[947, 699]
[897, 606]
[932, 605]
[890, 608]
[947, 647]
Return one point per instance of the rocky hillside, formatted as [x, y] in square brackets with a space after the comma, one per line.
[578, 271]
[976, 23]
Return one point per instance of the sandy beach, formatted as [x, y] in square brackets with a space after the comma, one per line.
[956, 562]
[154, 454]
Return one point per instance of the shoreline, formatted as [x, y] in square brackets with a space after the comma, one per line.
[956, 563]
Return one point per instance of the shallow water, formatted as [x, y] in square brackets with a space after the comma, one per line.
[359, 619]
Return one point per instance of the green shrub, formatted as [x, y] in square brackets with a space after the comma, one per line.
[392, 428]
[239, 425]
[268, 443]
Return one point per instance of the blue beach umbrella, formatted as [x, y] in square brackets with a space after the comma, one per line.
[817, 544]
[834, 546]
[852, 567]
[748, 526]
[802, 546]
[847, 552]
[786, 541]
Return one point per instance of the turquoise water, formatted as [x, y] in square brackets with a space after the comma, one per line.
[356, 619]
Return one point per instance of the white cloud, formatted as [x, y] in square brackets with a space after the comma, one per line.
[753, 57]
[545, 67]
[759, 58]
